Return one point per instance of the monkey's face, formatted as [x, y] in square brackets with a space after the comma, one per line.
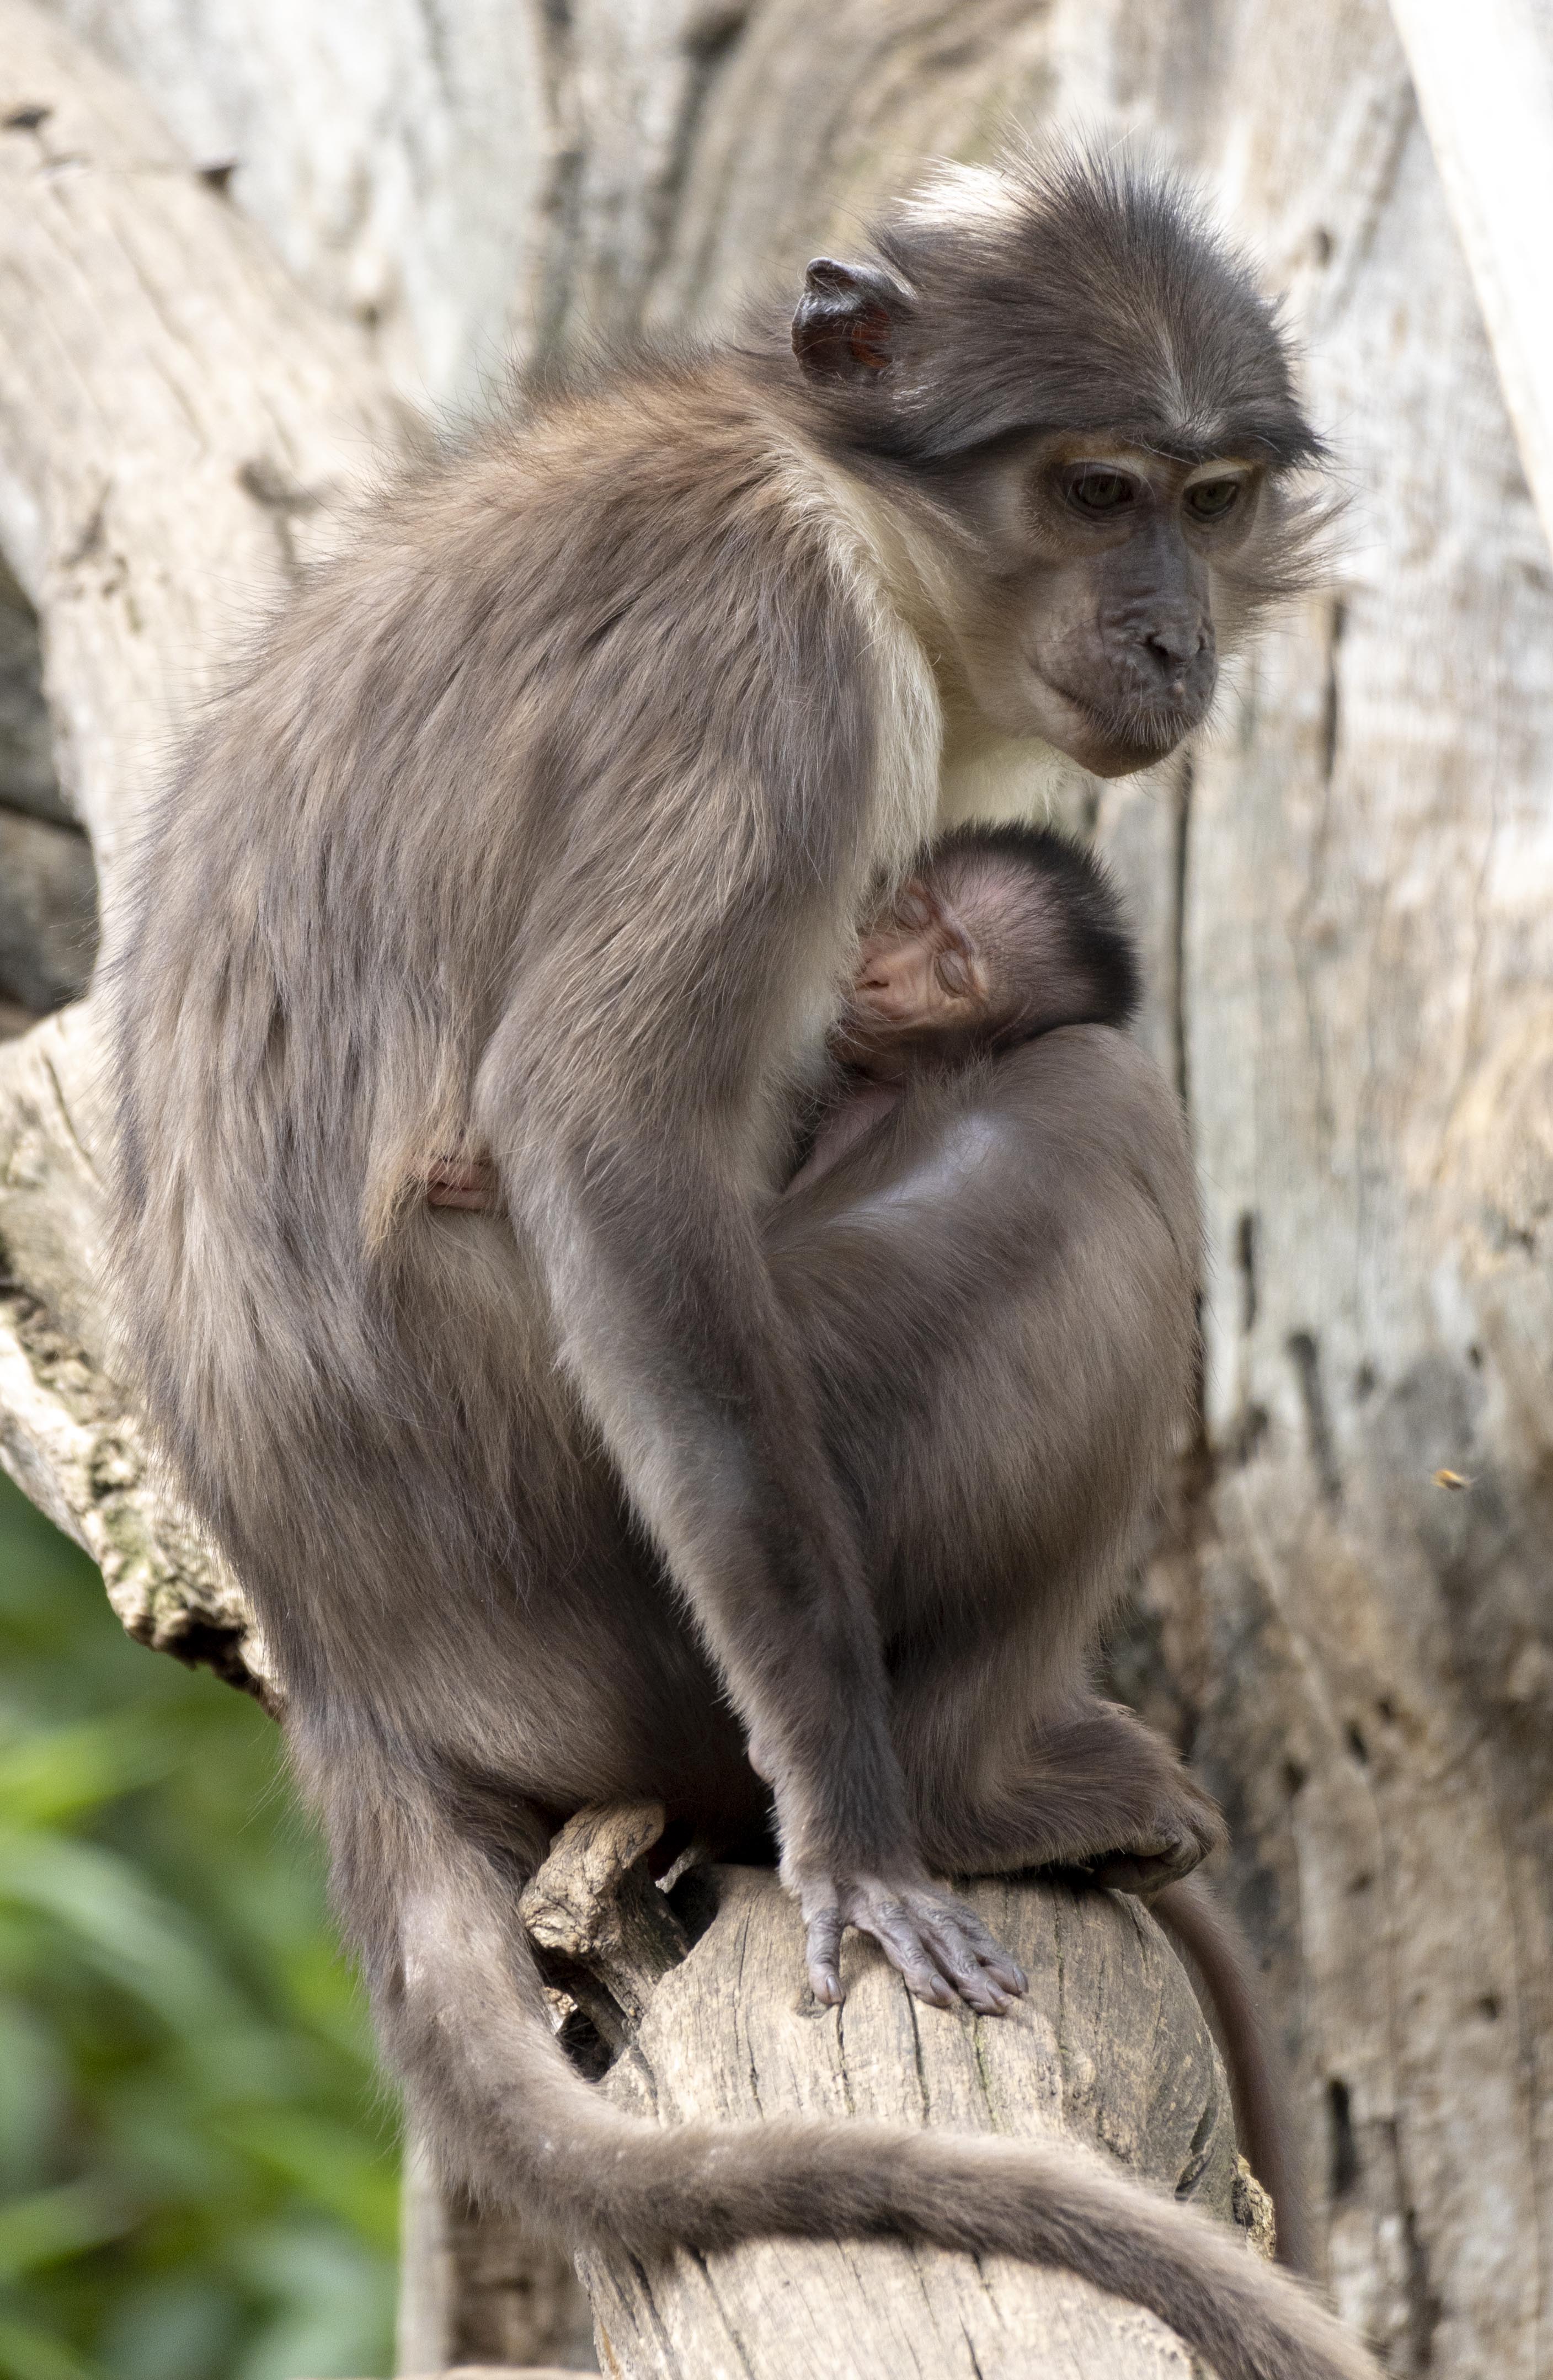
[1094, 582]
[1074, 396]
[919, 980]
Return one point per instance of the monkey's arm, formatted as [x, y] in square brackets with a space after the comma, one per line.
[630, 1100]
[669, 1328]
[843, 1126]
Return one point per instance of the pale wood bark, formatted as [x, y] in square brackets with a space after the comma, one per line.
[177, 428]
[481, 2291]
[1345, 900]
[1485, 82]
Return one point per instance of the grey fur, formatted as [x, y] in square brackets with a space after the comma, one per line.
[541, 824]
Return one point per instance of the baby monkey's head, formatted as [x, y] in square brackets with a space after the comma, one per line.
[999, 933]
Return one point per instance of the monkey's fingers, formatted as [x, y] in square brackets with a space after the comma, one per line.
[970, 1938]
[903, 1944]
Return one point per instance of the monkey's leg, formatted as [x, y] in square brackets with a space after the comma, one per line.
[1094, 1790]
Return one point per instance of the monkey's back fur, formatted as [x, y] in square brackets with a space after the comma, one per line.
[430, 803]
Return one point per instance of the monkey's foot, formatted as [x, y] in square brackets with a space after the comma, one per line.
[1184, 1830]
[940, 1948]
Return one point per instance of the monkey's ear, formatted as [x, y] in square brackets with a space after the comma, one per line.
[845, 319]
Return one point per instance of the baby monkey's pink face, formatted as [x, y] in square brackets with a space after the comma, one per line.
[920, 976]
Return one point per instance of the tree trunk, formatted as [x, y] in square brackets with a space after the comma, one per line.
[1345, 895]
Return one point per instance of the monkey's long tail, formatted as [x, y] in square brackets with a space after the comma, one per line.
[461, 2007]
[1217, 1949]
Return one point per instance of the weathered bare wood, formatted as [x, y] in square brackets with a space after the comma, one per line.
[176, 428]
[1484, 77]
[595, 1911]
[48, 910]
[478, 2292]
[28, 781]
[1109, 2049]
[404, 159]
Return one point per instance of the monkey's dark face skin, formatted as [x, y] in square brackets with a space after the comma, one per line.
[1085, 409]
[1090, 589]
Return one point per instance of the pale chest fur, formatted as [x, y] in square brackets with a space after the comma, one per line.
[931, 770]
[991, 778]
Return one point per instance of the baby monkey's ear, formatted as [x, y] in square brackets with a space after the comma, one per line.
[847, 319]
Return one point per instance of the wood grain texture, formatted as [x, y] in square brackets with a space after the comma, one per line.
[1484, 84]
[178, 430]
[1109, 2049]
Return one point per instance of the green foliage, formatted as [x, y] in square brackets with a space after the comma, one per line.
[197, 2176]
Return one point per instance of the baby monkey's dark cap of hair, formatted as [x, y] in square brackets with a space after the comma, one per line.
[1062, 290]
[1060, 891]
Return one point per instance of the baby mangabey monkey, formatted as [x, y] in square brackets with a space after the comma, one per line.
[1002, 932]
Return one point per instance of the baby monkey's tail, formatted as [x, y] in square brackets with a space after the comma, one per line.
[461, 2006]
[1216, 1946]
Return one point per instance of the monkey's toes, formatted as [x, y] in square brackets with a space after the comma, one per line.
[1181, 1841]
[940, 1949]
[823, 1956]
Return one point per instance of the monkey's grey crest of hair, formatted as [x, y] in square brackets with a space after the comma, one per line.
[1068, 286]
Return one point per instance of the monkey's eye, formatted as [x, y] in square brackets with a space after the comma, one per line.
[1102, 492]
[953, 974]
[1213, 499]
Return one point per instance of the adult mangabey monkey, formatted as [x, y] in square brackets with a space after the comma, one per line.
[545, 818]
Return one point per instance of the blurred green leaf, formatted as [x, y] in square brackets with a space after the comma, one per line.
[62, 1772]
[131, 1934]
[53, 2224]
[199, 2177]
[28, 2354]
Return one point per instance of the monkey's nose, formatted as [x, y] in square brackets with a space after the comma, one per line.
[1176, 649]
[1175, 646]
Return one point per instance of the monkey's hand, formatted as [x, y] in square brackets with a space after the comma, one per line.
[939, 1947]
